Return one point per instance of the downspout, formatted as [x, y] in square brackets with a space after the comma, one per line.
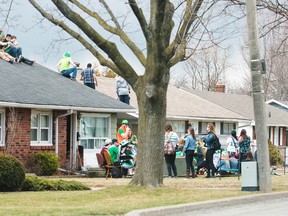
[56, 128]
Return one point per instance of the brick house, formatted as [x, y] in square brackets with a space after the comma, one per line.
[41, 110]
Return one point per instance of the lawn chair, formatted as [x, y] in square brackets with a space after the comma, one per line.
[109, 165]
[102, 164]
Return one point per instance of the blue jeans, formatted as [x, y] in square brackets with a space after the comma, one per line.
[124, 99]
[15, 52]
[67, 72]
[170, 162]
[91, 85]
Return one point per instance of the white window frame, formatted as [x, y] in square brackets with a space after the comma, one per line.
[39, 142]
[2, 127]
[176, 125]
[97, 115]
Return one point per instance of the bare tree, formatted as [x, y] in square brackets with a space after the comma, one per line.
[277, 13]
[7, 19]
[206, 68]
[165, 28]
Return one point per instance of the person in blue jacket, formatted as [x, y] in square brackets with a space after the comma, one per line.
[188, 151]
[209, 141]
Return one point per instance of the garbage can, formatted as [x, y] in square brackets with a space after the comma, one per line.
[249, 175]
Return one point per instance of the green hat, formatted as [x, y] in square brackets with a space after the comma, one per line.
[67, 54]
[124, 121]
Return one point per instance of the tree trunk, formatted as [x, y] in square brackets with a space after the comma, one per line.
[152, 118]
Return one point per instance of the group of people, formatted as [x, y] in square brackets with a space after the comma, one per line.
[67, 68]
[123, 149]
[10, 50]
[238, 148]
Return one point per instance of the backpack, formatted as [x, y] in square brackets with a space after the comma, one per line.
[116, 172]
[169, 148]
[217, 144]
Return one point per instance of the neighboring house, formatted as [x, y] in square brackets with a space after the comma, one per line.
[41, 110]
[226, 111]
[283, 105]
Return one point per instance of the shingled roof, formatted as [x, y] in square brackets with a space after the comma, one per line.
[39, 87]
[185, 103]
[243, 105]
[180, 103]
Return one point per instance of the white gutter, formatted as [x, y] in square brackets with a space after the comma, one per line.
[87, 109]
[207, 118]
[56, 128]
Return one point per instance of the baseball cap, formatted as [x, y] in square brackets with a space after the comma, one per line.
[124, 121]
[108, 141]
[67, 54]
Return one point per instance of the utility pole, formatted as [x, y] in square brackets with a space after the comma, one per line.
[258, 99]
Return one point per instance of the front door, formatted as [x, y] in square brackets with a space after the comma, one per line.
[94, 130]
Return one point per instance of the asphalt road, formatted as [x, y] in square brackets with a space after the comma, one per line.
[274, 207]
[270, 204]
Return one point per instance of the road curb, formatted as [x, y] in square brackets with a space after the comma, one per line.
[182, 208]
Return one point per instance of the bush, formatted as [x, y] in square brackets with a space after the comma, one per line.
[33, 183]
[44, 163]
[274, 155]
[12, 173]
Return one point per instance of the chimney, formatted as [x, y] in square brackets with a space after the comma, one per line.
[220, 87]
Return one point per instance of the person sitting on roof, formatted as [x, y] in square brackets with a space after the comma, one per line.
[21, 58]
[63, 66]
[5, 56]
[8, 47]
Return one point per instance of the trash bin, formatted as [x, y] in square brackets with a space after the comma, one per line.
[249, 175]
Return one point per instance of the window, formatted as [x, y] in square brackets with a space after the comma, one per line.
[2, 129]
[41, 128]
[94, 130]
[202, 127]
[226, 128]
[179, 127]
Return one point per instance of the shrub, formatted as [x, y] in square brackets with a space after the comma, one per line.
[33, 183]
[12, 173]
[274, 154]
[44, 163]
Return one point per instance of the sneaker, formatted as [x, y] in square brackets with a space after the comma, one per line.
[207, 176]
[11, 61]
[73, 79]
[19, 59]
[169, 177]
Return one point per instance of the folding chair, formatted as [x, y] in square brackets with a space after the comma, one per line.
[101, 163]
[109, 165]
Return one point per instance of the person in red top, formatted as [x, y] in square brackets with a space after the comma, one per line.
[123, 132]
[107, 145]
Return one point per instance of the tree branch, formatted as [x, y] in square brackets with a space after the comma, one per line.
[140, 17]
[178, 46]
[121, 67]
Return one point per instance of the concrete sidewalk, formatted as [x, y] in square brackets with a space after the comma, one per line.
[184, 208]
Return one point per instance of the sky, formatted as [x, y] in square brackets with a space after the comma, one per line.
[37, 41]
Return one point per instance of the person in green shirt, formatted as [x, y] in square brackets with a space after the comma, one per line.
[114, 151]
[64, 68]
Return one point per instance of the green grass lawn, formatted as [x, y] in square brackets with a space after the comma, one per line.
[116, 197]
